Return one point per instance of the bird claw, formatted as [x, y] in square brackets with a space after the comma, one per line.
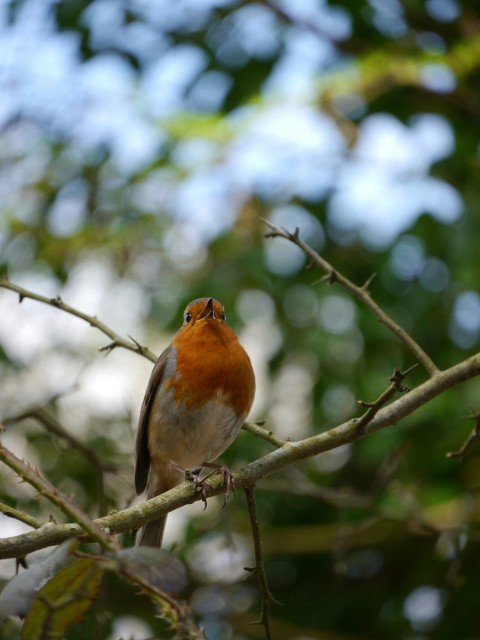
[201, 483]
[227, 478]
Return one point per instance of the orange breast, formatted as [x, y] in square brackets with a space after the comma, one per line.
[212, 364]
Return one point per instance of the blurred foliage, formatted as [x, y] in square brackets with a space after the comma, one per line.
[392, 550]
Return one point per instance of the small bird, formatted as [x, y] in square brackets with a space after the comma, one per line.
[198, 396]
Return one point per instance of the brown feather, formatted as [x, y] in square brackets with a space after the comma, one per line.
[142, 465]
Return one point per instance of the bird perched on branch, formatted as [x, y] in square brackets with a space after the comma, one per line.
[199, 395]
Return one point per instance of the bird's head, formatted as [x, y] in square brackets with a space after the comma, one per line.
[203, 310]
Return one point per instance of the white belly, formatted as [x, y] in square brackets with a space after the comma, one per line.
[188, 437]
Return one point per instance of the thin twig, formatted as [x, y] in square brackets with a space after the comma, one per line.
[20, 515]
[44, 487]
[291, 452]
[474, 435]
[374, 407]
[110, 562]
[361, 293]
[52, 425]
[259, 569]
[256, 429]
[57, 302]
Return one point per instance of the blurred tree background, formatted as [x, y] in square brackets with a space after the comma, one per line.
[140, 141]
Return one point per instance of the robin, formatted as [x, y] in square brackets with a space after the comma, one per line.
[198, 396]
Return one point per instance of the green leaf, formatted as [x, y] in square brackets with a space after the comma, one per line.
[63, 601]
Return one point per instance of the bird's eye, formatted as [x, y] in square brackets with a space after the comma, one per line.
[223, 315]
[187, 317]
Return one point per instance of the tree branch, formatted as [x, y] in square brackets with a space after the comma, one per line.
[57, 302]
[20, 515]
[259, 568]
[361, 293]
[474, 435]
[52, 425]
[258, 430]
[373, 408]
[290, 452]
[45, 488]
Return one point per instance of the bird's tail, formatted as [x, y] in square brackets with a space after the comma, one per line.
[152, 533]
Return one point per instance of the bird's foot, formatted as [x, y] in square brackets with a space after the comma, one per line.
[193, 475]
[227, 478]
[200, 483]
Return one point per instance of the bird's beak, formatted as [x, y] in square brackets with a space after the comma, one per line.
[208, 312]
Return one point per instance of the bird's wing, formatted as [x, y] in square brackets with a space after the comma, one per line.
[142, 463]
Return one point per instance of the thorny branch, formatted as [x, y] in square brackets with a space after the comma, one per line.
[396, 379]
[377, 416]
[57, 302]
[44, 487]
[289, 453]
[361, 293]
[21, 516]
[474, 435]
[259, 569]
[52, 425]
[258, 430]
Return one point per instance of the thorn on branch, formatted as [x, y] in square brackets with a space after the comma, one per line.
[141, 350]
[108, 348]
[398, 376]
[396, 379]
[295, 236]
[474, 435]
[330, 278]
[368, 282]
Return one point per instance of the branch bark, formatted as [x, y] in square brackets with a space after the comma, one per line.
[45, 488]
[21, 516]
[52, 425]
[259, 569]
[287, 454]
[57, 302]
[361, 293]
